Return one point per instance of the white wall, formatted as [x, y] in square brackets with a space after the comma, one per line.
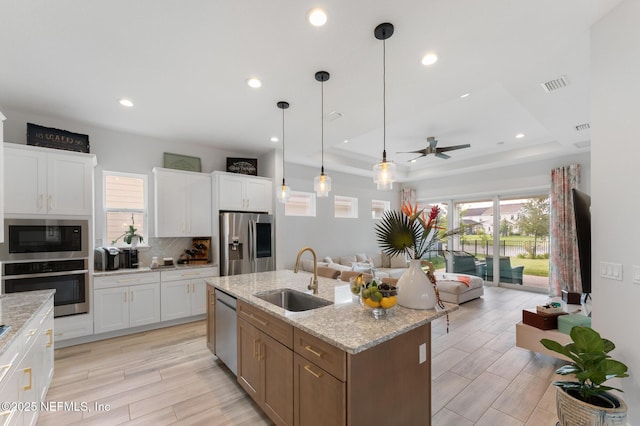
[327, 235]
[615, 67]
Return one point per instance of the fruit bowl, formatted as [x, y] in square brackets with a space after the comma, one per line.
[381, 298]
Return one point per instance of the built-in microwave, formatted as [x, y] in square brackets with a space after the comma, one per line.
[34, 239]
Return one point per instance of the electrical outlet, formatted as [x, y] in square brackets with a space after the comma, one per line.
[636, 275]
[612, 271]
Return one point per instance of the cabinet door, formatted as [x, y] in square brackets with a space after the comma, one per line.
[144, 304]
[111, 309]
[318, 397]
[25, 181]
[277, 376]
[170, 203]
[248, 360]
[69, 185]
[199, 206]
[231, 193]
[258, 194]
[198, 297]
[44, 352]
[175, 299]
[27, 389]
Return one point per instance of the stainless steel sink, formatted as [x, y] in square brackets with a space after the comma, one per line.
[292, 300]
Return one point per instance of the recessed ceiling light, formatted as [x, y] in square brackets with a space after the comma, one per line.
[254, 82]
[429, 59]
[317, 17]
[345, 141]
[464, 95]
[274, 139]
[413, 161]
[126, 103]
[520, 136]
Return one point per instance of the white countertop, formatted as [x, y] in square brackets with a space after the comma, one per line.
[147, 269]
[348, 326]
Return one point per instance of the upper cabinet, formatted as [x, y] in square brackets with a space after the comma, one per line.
[236, 192]
[46, 181]
[182, 203]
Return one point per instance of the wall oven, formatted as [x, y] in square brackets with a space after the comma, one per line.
[41, 254]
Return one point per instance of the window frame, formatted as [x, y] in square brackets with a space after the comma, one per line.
[144, 210]
[311, 205]
[387, 206]
[354, 207]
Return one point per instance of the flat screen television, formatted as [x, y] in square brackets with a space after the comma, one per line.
[582, 213]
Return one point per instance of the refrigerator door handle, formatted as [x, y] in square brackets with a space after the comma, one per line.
[251, 246]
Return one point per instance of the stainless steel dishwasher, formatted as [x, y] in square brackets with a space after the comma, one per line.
[226, 333]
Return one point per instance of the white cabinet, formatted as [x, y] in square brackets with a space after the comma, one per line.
[236, 192]
[182, 203]
[127, 300]
[46, 181]
[26, 368]
[184, 292]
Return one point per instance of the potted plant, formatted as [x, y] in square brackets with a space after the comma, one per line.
[586, 400]
[130, 235]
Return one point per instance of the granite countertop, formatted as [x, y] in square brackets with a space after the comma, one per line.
[147, 269]
[17, 309]
[346, 324]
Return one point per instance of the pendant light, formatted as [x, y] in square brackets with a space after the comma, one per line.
[384, 173]
[285, 191]
[322, 183]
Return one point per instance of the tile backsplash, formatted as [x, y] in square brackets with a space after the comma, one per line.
[164, 247]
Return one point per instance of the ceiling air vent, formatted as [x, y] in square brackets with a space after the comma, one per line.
[583, 144]
[585, 126]
[556, 84]
[332, 116]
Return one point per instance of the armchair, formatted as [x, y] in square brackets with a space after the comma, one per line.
[508, 273]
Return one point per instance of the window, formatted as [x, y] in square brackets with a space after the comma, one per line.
[301, 204]
[345, 206]
[378, 207]
[125, 203]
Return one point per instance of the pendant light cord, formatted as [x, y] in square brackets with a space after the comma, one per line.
[322, 126]
[384, 101]
[283, 184]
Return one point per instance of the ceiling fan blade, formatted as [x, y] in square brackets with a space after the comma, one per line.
[414, 159]
[420, 151]
[452, 148]
[443, 156]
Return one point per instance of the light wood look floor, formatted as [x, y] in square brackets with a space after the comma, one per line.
[169, 376]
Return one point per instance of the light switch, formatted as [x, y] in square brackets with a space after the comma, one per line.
[612, 271]
[422, 353]
[636, 275]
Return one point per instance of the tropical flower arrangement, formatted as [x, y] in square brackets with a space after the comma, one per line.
[410, 231]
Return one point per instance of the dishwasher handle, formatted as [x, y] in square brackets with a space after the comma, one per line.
[228, 305]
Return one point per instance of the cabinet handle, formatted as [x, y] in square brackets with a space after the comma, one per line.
[40, 201]
[50, 334]
[31, 332]
[212, 299]
[131, 299]
[125, 297]
[5, 368]
[50, 202]
[28, 370]
[5, 413]
[128, 280]
[256, 354]
[313, 351]
[313, 373]
[188, 290]
[189, 274]
[264, 324]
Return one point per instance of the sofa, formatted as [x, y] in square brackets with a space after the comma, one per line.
[453, 287]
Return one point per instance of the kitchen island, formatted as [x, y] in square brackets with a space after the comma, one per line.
[331, 365]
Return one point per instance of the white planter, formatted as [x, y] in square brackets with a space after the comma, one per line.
[415, 290]
[573, 411]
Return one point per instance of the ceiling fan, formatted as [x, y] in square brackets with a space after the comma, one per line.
[431, 149]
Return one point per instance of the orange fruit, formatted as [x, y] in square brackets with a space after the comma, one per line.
[371, 303]
[388, 302]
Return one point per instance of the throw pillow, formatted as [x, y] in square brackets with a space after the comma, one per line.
[347, 260]
[307, 264]
[328, 259]
[361, 257]
[376, 260]
[386, 260]
[363, 269]
[399, 261]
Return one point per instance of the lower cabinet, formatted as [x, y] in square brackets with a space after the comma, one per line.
[184, 292]
[318, 397]
[265, 372]
[124, 301]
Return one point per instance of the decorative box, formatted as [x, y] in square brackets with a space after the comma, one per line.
[550, 308]
[540, 320]
[570, 297]
[567, 322]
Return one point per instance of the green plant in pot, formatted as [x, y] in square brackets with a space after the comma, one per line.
[586, 400]
[130, 235]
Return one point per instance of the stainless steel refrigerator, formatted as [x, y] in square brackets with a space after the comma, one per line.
[246, 243]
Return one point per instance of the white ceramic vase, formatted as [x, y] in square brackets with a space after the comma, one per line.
[415, 291]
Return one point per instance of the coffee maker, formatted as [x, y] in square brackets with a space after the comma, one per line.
[107, 258]
[129, 257]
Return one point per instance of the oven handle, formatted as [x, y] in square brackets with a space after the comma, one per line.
[46, 274]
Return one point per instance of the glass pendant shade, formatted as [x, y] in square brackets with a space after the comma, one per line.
[284, 193]
[384, 174]
[322, 185]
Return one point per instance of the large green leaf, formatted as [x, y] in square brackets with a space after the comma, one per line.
[395, 233]
[586, 339]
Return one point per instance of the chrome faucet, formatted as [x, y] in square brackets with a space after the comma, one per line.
[314, 281]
